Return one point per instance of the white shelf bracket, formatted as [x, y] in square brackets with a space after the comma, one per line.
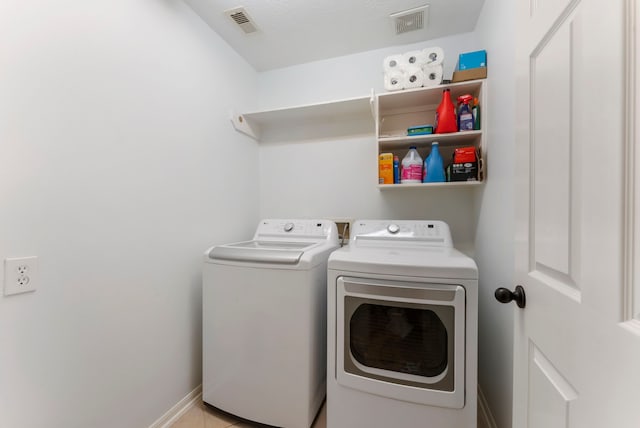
[372, 103]
[242, 125]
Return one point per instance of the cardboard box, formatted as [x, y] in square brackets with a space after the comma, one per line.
[467, 171]
[464, 166]
[471, 74]
[385, 168]
[469, 60]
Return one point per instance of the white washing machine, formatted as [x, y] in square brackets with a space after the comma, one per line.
[264, 322]
[401, 329]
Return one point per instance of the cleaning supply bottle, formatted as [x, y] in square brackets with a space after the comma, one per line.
[411, 167]
[476, 114]
[465, 116]
[396, 169]
[434, 166]
[446, 114]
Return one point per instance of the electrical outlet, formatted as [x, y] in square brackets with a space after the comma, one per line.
[20, 275]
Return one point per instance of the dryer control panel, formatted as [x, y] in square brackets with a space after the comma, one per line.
[414, 232]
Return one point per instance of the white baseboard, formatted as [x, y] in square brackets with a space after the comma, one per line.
[180, 408]
[484, 412]
[174, 413]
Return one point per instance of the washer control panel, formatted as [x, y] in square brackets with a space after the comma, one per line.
[287, 228]
[433, 233]
[393, 228]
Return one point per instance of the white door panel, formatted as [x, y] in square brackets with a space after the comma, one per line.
[576, 361]
[550, 395]
[538, 16]
[551, 149]
[546, 9]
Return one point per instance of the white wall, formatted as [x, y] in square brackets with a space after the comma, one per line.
[336, 177]
[118, 168]
[346, 76]
[495, 233]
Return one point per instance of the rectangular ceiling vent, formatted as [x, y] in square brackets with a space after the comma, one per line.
[410, 20]
[240, 16]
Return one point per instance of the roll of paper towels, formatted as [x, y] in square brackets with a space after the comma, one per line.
[392, 63]
[432, 75]
[414, 58]
[433, 56]
[394, 80]
[413, 77]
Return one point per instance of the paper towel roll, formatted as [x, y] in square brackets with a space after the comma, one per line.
[392, 62]
[432, 75]
[394, 80]
[433, 56]
[413, 77]
[414, 58]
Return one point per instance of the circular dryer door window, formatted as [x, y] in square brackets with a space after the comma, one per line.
[391, 337]
[401, 339]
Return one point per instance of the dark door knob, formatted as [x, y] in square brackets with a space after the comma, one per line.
[504, 295]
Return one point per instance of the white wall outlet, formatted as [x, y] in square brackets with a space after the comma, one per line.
[20, 275]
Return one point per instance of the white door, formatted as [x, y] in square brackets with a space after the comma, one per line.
[577, 345]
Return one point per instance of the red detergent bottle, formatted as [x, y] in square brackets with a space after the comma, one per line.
[446, 120]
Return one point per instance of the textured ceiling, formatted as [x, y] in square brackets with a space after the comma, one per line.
[298, 31]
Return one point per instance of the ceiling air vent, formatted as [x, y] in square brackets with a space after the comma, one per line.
[240, 16]
[411, 19]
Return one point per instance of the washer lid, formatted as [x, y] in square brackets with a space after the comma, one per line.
[279, 252]
[433, 262]
[296, 243]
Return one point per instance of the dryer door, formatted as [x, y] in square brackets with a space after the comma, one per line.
[404, 340]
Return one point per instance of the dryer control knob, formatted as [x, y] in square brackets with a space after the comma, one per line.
[288, 227]
[393, 228]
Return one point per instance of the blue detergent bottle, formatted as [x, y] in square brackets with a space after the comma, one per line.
[433, 166]
[396, 169]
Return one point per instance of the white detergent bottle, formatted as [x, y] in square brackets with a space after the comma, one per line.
[411, 167]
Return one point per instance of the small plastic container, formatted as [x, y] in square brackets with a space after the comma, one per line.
[476, 114]
[411, 167]
[396, 169]
[420, 130]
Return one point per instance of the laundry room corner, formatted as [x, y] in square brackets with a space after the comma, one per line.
[135, 168]
[339, 169]
[495, 208]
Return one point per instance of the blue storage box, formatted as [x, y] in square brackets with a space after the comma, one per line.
[472, 60]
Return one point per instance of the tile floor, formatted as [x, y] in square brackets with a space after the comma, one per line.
[203, 416]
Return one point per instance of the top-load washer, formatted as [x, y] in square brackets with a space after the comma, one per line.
[402, 329]
[264, 322]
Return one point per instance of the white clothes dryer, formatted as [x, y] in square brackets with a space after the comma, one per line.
[264, 322]
[402, 329]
